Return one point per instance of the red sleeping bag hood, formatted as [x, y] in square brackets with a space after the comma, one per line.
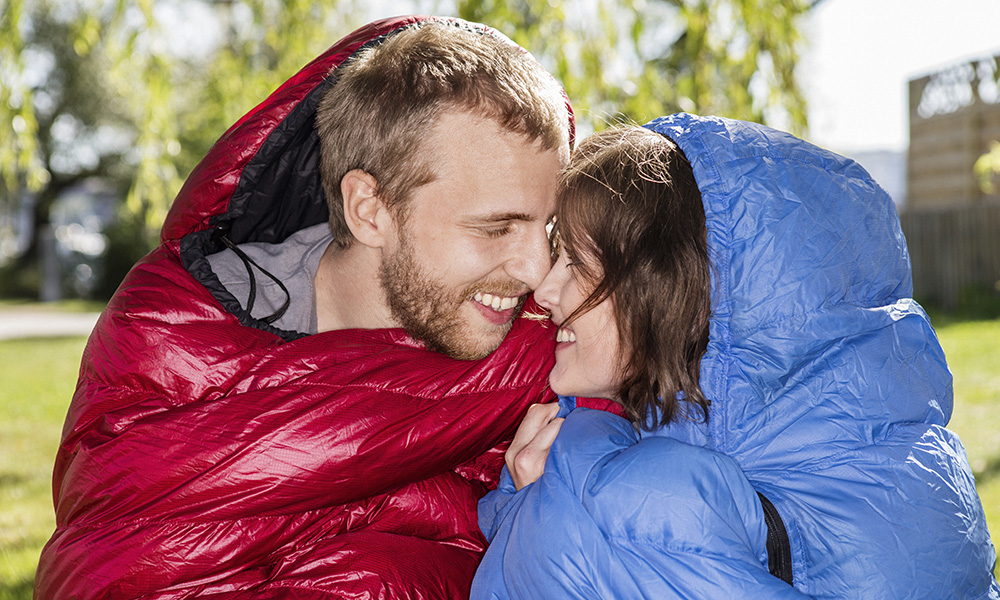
[207, 454]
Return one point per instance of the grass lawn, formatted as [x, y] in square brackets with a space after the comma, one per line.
[13, 305]
[973, 351]
[39, 375]
[38, 379]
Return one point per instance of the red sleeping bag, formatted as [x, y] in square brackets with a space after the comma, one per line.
[206, 454]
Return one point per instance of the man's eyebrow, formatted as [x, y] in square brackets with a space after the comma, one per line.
[500, 217]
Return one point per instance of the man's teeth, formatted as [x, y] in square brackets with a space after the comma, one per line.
[495, 302]
[565, 335]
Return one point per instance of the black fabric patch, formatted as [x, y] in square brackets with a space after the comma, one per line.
[779, 549]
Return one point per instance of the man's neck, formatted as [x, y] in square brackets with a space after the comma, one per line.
[348, 294]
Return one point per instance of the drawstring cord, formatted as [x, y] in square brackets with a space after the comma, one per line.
[249, 264]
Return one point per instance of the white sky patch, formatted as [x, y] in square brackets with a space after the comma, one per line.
[861, 54]
[196, 28]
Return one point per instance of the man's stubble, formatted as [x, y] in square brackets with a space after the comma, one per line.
[428, 312]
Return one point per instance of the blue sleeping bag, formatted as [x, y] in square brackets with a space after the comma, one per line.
[830, 395]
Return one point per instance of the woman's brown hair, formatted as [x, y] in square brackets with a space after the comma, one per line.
[630, 202]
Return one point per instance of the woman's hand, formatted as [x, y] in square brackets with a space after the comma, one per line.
[527, 453]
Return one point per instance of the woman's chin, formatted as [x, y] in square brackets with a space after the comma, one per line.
[559, 386]
[562, 388]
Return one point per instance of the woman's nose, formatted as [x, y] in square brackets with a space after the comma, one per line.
[547, 292]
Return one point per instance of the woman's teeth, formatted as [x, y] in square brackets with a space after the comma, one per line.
[565, 335]
[495, 302]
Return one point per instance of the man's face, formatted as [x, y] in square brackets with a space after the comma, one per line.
[473, 242]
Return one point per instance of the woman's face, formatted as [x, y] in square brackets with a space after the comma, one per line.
[588, 361]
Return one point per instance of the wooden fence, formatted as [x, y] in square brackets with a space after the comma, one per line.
[952, 250]
[954, 118]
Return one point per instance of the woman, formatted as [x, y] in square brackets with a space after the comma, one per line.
[802, 443]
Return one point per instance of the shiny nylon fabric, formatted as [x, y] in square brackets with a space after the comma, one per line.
[829, 390]
[829, 386]
[205, 455]
[626, 516]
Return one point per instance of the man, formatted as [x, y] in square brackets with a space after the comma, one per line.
[267, 408]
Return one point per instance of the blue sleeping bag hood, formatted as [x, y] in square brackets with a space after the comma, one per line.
[830, 396]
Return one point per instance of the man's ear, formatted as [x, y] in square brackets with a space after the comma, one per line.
[367, 217]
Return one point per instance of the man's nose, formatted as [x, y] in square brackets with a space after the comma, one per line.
[532, 258]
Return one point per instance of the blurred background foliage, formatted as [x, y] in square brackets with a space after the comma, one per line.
[988, 169]
[133, 93]
[107, 105]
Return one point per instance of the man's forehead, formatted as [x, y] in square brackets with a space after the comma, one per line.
[485, 174]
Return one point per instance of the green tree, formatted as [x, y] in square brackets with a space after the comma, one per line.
[987, 168]
[61, 120]
[636, 59]
[126, 94]
[106, 88]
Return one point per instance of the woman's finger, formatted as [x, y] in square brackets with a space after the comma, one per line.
[527, 463]
[537, 417]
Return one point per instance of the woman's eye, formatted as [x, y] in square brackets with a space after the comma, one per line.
[571, 259]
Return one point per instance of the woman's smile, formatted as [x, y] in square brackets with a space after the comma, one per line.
[588, 362]
[565, 335]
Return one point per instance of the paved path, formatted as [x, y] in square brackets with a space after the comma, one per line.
[36, 323]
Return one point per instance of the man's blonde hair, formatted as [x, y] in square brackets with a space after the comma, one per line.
[389, 95]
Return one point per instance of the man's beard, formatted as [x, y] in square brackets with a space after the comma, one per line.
[429, 313]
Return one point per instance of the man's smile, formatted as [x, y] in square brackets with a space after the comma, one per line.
[496, 302]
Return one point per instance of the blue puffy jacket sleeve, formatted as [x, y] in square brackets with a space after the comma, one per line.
[618, 515]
